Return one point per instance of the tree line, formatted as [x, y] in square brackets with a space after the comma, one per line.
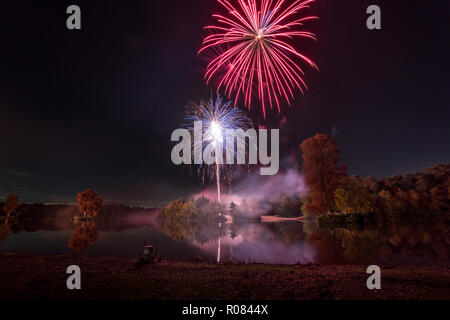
[332, 190]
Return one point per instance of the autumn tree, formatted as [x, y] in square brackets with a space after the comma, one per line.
[322, 176]
[234, 211]
[289, 208]
[176, 218]
[440, 192]
[352, 197]
[420, 193]
[89, 203]
[12, 202]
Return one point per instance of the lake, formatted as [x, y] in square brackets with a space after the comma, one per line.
[411, 242]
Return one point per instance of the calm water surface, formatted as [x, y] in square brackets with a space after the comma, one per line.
[286, 243]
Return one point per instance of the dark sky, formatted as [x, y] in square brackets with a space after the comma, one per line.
[95, 108]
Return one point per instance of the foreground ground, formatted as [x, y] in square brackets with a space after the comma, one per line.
[32, 276]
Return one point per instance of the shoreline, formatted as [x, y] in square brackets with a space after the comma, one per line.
[28, 276]
[270, 219]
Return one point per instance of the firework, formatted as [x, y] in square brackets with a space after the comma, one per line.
[218, 118]
[253, 49]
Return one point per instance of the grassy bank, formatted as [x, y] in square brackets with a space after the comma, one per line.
[33, 276]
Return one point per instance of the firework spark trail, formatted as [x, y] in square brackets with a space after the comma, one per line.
[257, 50]
[216, 151]
[218, 118]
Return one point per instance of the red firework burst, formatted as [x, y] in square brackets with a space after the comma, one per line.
[252, 49]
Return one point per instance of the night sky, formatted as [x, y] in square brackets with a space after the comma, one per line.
[95, 108]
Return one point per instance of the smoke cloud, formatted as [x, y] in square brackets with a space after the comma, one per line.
[255, 194]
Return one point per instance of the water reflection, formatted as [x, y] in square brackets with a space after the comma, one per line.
[83, 236]
[417, 241]
[5, 230]
[257, 242]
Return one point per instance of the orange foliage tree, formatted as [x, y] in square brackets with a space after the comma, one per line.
[322, 176]
[89, 203]
[11, 205]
